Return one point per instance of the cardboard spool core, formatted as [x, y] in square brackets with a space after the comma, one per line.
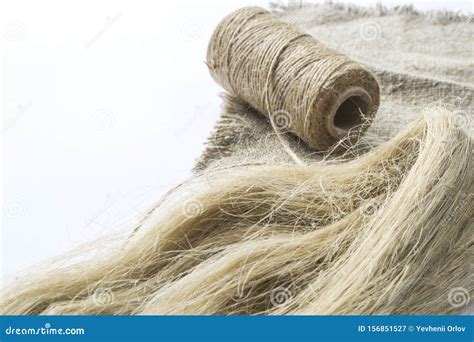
[349, 112]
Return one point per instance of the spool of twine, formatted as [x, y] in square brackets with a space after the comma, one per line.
[303, 86]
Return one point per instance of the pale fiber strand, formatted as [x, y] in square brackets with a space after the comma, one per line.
[306, 231]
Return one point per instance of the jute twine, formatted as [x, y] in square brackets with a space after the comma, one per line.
[302, 86]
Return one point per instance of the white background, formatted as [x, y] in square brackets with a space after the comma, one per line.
[105, 105]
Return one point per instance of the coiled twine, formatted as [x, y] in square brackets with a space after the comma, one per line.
[303, 86]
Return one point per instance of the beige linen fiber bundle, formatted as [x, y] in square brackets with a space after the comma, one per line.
[386, 232]
[306, 88]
